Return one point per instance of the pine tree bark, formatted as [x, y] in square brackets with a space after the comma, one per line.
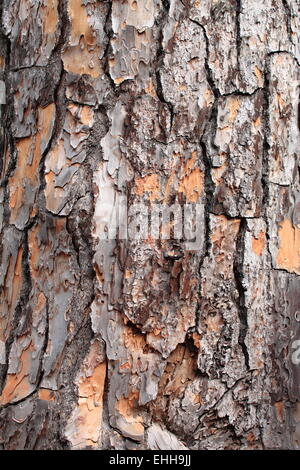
[145, 344]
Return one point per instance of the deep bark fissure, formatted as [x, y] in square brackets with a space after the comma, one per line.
[288, 17]
[239, 277]
[238, 30]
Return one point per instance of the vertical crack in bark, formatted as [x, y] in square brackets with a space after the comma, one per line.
[59, 101]
[266, 147]
[8, 142]
[82, 246]
[238, 32]
[288, 18]
[209, 72]
[106, 389]
[24, 300]
[209, 193]
[159, 62]
[226, 417]
[238, 276]
[7, 117]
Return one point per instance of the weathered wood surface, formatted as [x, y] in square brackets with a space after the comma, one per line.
[121, 344]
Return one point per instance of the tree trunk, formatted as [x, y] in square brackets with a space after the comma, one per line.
[121, 339]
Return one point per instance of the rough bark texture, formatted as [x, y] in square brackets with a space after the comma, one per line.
[115, 344]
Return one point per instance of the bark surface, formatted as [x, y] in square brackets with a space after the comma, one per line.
[145, 344]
